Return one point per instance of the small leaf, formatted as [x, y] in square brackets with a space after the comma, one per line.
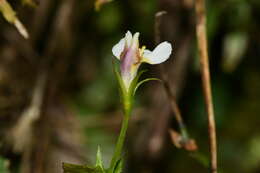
[99, 162]
[143, 81]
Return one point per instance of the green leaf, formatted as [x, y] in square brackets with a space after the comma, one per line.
[72, 168]
[99, 162]
[119, 167]
[143, 81]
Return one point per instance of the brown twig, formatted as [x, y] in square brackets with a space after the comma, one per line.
[180, 140]
[205, 72]
[173, 104]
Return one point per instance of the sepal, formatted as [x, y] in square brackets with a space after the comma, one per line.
[144, 81]
[120, 81]
[134, 83]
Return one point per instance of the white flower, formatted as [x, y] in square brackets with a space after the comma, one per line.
[131, 56]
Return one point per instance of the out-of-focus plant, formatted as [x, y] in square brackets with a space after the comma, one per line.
[3, 168]
[10, 15]
[29, 3]
[100, 3]
[131, 57]
[234, 47]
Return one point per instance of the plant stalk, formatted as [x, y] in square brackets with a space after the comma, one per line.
[167, 86]
[205, 72]
[121, 139]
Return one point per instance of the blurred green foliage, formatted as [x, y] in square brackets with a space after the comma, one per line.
[3, 168]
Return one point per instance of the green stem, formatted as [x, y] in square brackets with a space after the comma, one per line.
[121, 139]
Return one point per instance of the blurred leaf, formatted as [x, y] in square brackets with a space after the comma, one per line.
[100, 3]
[29, 2]
[10, 15]
[254, 152]
[235, 45]
[2, 166]
[7, 11]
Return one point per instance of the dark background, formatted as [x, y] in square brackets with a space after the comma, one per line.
[68, 56]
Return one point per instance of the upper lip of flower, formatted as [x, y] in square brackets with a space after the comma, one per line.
[160, 54]
[131, 56]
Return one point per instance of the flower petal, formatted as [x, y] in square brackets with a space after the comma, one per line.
[135, 41]
[118, 48]
[128, 38]
[160, 54]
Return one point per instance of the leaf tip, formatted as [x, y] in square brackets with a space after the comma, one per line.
[20, 27]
